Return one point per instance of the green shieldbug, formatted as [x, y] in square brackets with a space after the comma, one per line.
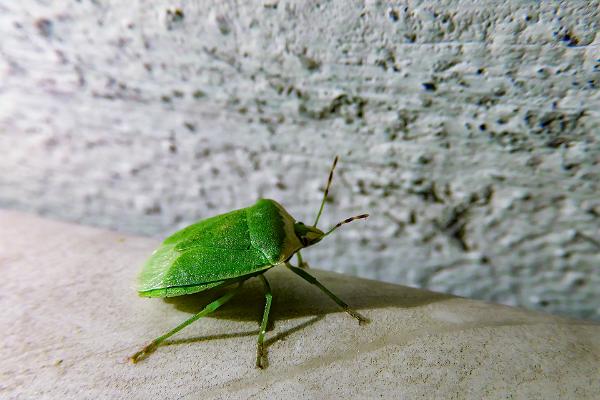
[228, 249]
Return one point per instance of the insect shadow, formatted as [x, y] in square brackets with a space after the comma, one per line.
[293, 298]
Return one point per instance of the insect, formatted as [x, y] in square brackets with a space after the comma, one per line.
[228, 249]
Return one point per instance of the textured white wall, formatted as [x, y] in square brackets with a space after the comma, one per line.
[468, 129]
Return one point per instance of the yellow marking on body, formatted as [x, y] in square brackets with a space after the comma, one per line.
[291, 243]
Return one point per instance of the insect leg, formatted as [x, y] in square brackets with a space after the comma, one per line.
[311, 279]
[301, 263]
[143, 353]
[260, 351]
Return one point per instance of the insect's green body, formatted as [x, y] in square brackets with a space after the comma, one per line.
[228, 249]
[223, 248]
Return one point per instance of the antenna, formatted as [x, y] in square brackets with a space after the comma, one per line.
[335, 160]
[347, 220]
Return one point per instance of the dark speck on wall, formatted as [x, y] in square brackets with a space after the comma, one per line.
[430, 86]
[44, 27]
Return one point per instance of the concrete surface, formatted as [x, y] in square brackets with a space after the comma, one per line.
[468, 129]
[70, 318]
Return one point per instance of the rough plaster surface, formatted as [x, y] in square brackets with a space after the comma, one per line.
[71, 317]
[468, 129]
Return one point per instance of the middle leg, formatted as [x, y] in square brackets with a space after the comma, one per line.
[260, 351]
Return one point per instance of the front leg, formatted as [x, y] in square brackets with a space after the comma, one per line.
[311, 279]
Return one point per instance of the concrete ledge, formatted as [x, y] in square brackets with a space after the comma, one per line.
[71, 317]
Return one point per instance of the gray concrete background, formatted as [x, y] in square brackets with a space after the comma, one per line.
[469, 130]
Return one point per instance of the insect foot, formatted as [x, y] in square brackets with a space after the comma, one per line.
[304, 265]
[261, 357]
[361, 320]
[143, 353]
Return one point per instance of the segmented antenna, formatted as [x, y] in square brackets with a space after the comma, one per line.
[347, 220]
[335, 160]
